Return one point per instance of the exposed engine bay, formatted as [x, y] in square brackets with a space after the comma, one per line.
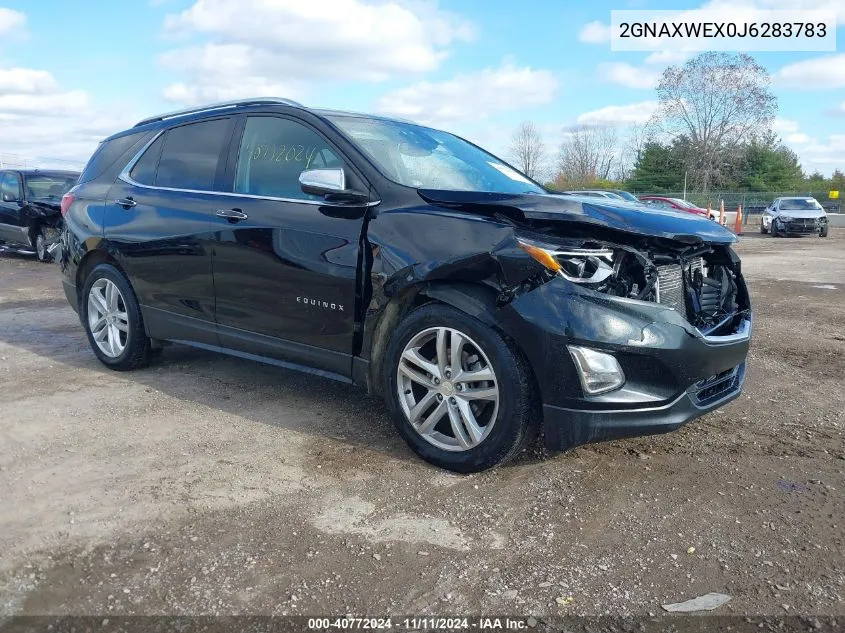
[698, 281]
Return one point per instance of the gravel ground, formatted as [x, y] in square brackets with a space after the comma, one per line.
[212, 485]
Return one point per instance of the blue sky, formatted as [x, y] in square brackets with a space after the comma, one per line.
[68, 78]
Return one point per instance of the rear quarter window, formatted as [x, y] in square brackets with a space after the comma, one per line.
[110, 152]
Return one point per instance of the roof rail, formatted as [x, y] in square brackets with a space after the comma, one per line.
[220, 106]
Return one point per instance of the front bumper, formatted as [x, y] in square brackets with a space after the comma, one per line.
[802, 226]
[673, 372]
[567, 428]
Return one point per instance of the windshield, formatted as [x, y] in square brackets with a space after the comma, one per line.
[48, 186]
[627, 196]
[425, 158]
[799, 204]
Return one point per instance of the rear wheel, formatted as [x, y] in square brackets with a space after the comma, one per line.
[112, 320]
[460, 394]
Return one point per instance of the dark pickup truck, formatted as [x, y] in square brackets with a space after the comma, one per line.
[30, 213]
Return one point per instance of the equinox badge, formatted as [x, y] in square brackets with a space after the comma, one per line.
[320, 304]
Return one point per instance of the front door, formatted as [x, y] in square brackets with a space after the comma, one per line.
[12, 228]
[285, 262]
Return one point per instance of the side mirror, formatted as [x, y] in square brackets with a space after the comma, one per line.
[10, 197]
[331, 184]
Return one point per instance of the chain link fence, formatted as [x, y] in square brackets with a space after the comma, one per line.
[18, 161]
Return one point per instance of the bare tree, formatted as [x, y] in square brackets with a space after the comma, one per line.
[587, 154]
[527, 149]
[717, 100]
[634, 139]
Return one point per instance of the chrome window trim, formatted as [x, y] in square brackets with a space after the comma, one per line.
[125, 177]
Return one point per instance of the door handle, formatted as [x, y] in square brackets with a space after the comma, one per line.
[126, 203]
[233, 215]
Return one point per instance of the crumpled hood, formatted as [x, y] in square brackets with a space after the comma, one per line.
[46, 207]
[613, 214]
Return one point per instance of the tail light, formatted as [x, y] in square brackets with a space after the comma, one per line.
[67, 200]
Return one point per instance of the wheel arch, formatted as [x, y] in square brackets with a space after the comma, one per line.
[475, 299]
[87, 264]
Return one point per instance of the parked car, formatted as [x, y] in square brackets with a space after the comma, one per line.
[794, 216]
[594, 193]
[678, 204]
[30, 216]
[410, 262]
[625, 195]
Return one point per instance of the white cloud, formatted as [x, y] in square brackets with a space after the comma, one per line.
[818, 73]
[625, 74]
[471, 96]
[282, 44]
[10, 20]
[26, 81]
[594, 33]
[668, 57]
[784, 126]
[626, 114]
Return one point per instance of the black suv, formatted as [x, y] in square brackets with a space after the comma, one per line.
[30, 217]
[409, 261]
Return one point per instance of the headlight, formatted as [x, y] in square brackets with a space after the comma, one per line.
[784, 218]
[581, 265]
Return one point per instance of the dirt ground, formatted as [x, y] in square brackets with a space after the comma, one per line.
[212, 485]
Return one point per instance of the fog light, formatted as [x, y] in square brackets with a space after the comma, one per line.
[599, 372]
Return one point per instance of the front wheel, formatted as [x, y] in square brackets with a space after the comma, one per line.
[823, 232]
[112, 319]
[41, 247]
[460, 394]
[763, 228]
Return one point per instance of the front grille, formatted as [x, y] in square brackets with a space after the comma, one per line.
[801, 225]
[716, 387]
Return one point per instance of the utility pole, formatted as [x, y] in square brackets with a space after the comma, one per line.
[685, 185]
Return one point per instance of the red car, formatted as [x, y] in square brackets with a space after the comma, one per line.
[677, 204]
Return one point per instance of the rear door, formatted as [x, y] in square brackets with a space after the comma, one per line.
[285, 269]
[158, 221]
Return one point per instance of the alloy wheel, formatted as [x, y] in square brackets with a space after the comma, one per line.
[107, 317]
[448, 389]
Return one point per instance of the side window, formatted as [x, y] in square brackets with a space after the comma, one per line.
[274, 152]
[10, 187]
[144, 170]
[109, 152]
[190, 155]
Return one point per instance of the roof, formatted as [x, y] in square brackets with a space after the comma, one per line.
[200, 112]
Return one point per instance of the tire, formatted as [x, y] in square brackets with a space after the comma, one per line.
[823, 232]
[132, 349]
[506, 423]
[774, 228]
[40, 243]
[763, 229]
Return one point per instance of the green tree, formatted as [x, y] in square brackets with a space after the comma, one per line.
[767, 165]
[659, 168]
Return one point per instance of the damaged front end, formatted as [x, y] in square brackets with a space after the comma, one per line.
[700, 282]
[633, 321]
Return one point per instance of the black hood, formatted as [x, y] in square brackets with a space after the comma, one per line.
[618, 215]
[47, 206]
